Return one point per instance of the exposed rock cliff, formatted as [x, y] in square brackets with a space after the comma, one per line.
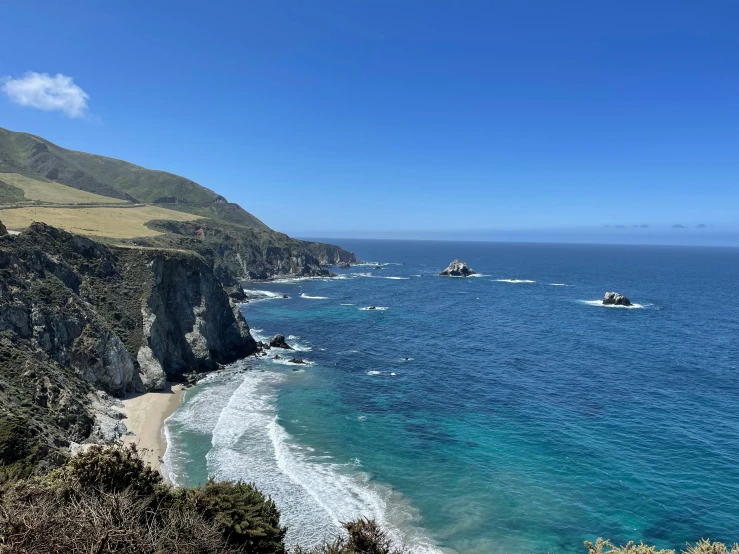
[3, 230]
[192, 323]
[238, 253]
[78, 316]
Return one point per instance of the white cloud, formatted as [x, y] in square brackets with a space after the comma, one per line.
[42, 91]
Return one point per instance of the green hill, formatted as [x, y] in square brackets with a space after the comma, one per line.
[32, 156]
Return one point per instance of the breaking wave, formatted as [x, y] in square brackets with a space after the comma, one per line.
[314, 491]
[633, 306]
[303, 295]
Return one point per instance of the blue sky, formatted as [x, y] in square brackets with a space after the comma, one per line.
[405, 118]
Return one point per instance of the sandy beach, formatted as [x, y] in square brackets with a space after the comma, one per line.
[145, 415]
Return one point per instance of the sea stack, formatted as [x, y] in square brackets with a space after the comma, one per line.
[615, 299]
[278, 341]
[457, 269]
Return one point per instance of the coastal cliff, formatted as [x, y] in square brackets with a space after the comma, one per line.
[78, 317]
[238, 253]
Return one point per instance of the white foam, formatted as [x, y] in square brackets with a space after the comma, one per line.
[347, 304]
[393, 374]
[262, 294]
[377, 308]
[397, 278]
[314, 492]
[293, 280]
[373, 264]
[517, 281]
[285, 360]
[258, 336]
[600, 303]
[303, 295]
[559, 285]
[374, 372]
[479, 275]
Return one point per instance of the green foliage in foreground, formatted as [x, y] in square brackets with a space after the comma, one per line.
[107, 500]
[701, 547]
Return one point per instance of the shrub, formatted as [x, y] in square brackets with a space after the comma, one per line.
[707, 547]
[364, 536]
[629, 548]
[701, 547]
[110, 469]
[35, 518]
[243, 514]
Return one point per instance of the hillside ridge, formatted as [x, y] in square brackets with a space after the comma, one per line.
[32, 155]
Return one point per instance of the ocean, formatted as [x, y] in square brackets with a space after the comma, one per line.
[505, 412]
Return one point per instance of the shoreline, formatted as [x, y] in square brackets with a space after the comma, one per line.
[145, 415]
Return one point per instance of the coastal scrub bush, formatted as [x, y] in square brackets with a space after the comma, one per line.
[109, 469]
[35, 518]
[246, 518]
[703, 546]
[108, 499]
[601, 545]
[707, 547]
[364, 536]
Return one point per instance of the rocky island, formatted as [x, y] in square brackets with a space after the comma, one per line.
[615, 299]
[457, 269]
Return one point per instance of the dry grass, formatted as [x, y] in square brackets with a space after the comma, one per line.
[118, 222]
[48, 191]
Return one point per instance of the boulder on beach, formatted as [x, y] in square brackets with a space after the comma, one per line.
[457, 269]
[278, 341]
[615, 299]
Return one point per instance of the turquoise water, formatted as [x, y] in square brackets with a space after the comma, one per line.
[526, 417]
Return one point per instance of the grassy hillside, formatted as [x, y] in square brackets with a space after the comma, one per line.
[42, 190]
[118, 201]
[118, 222]
[32, 156]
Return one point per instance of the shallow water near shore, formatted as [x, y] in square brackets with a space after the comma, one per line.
[505, 413]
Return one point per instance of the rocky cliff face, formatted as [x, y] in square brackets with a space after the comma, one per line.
[238, 253]
[78, 316]
[190, 323]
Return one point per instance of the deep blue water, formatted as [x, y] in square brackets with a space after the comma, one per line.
[525, 420]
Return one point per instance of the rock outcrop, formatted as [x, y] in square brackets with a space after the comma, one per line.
[240, 254]
[278, 341]
[457, 269]
[193, 327]
[615, 299]
[79, 319]
[3, 230]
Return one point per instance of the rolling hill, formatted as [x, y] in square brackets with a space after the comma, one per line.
[127, 205]
[37, 158]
